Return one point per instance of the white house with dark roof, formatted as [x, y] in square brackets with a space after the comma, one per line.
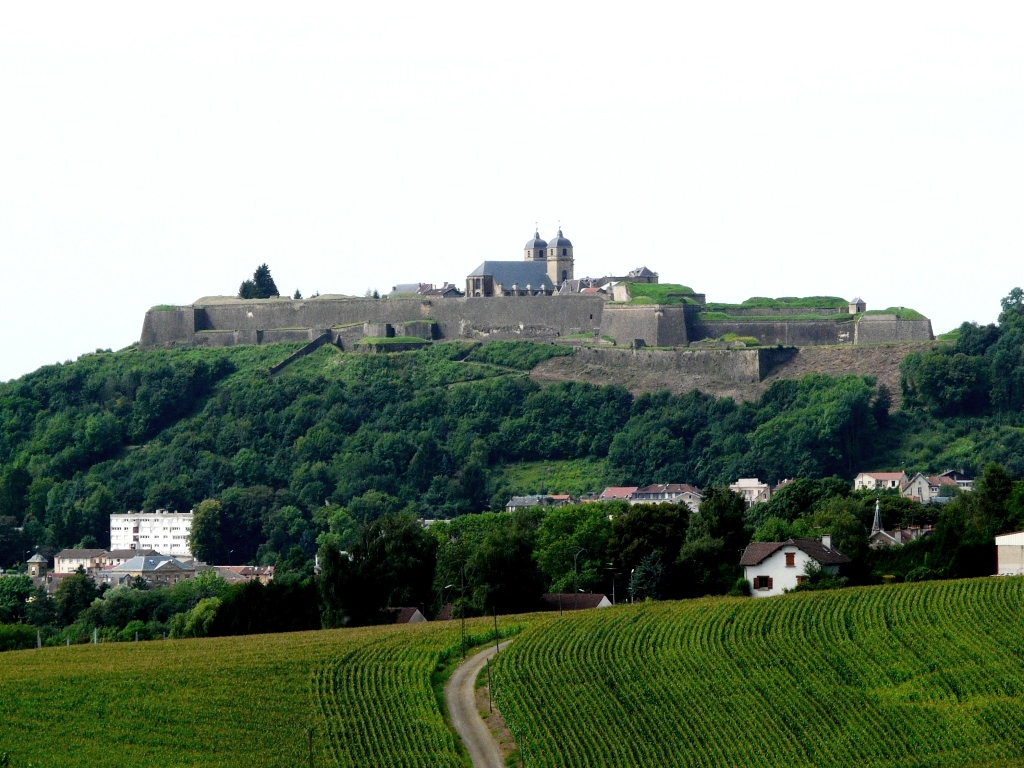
[774, 567]
[70, 560]
[1010, 554]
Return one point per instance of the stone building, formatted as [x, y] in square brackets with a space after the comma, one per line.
[545, 267]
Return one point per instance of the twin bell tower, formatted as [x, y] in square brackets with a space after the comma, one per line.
[557, 254]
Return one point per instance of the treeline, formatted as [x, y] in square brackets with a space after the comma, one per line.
[504, 562]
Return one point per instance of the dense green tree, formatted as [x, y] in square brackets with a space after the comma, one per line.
[205, 540]
[261, 286]
[74, 594]
[572, 546]
[14, 591]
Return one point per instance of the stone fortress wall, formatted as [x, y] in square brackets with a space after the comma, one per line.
[222, 321]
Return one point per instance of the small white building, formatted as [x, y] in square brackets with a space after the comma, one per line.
[1010, 554]
[163, 531]
[773, 567]
[752, 490]
[879, 481]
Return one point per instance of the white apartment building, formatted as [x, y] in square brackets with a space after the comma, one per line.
[163, 531]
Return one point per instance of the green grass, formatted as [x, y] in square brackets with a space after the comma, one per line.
[723, 317]
[785, 302]
[658, 293]
[750, 341]
[521, 355]
[163, 308]
[574, 477]
[902, 313]
[366, 693]
[949, 335]
[910, 675]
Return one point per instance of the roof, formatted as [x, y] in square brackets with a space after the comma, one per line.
[884, 475]
[642, 272]
[146, 564]
[446, 612]
[573, 602]
[559, 241]
[618, 492]
[407, 288]
[519, 273]
[80, 554]
[127, 554]
[858, 300]
[536, 241]
[526, 501]
[405, 614]
[1012, 539]
[759, 551]
[678, 488]
[37, 558]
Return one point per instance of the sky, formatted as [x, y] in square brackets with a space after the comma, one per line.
[157, 153]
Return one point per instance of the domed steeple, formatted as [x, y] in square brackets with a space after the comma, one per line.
[535, 248]
[559, 257]
[559, 241]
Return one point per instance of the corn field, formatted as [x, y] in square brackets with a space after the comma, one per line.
[911, 675]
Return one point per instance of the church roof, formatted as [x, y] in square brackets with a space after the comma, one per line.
[536, 242]
[520, 273]
[559, 241]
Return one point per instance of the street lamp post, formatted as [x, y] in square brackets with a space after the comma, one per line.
[575, 574]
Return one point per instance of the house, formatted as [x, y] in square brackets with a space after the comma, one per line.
[157, 570]
[405, 615]
[668, 493]
[446, 291]
[70, 560]
[581, 601]
[1010, 554]
[752, 490]
[618, 493]
[410, 288]
[239, 574]
[857, 306]
[879, 481]
[925, 489]
[37, 565]
[963, 482]
[774, 567]
[119, 556]
[166, 532]
[879, 538]
[537, 500]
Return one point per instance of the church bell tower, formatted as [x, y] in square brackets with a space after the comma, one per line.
[559, 257]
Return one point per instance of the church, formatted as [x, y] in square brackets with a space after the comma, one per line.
[546, 266]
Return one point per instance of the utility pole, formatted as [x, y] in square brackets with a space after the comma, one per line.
[575, 574]
[490, 701]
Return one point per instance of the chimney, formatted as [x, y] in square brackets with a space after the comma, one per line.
[826, 541]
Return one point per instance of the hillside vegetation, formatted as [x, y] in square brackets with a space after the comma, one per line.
[914, 675]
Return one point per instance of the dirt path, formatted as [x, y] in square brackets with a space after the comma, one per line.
[460, 694]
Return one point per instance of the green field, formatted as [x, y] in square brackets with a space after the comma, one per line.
[912, 675]
[367, 694]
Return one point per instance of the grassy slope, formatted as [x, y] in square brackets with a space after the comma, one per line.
[913, 675]
[575, 477]
[367, 693]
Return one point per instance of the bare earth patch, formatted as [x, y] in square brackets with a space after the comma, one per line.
[496, 723]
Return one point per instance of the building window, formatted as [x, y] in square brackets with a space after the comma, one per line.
[762, 582]
[565, 251]
[791, 559]
[800, 580]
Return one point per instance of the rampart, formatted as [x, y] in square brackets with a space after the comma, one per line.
[228, 321]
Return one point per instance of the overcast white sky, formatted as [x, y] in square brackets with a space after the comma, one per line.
[153, 155]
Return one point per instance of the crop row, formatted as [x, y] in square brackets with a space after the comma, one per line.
[907, 675]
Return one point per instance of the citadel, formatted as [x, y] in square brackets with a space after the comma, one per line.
[536, 298]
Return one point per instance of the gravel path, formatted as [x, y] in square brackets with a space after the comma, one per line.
[459, 693]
